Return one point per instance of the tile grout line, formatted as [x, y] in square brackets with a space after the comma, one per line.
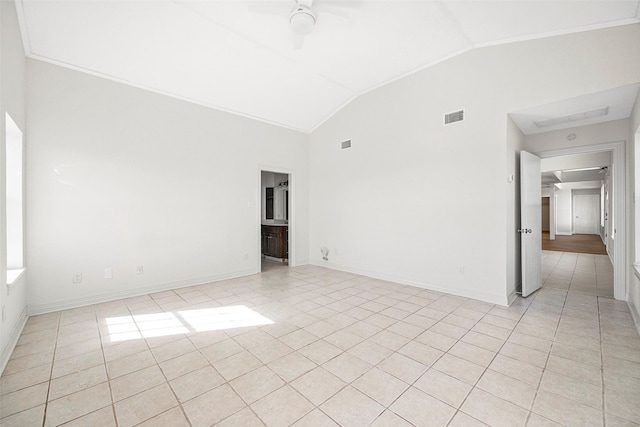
[603, 405]
[544, 369]
[106, 371]
[53, 358]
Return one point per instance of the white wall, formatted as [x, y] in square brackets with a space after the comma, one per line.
[634, 217]
[120, 177]
[12, 101]
[563, 211]
[408, 201]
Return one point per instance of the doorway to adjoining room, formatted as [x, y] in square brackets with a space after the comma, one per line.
[274, 220]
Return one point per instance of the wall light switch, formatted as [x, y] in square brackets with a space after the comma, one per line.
[139, 269]
[511, 177]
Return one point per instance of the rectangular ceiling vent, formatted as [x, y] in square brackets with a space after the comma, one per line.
[572, 117]
[456, 116]
[346, 144]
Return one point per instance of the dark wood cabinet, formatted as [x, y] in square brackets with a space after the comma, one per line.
[275, 241]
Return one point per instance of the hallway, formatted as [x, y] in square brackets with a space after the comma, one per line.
[577, 272]
[581, 243]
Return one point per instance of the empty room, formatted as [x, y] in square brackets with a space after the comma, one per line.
[319, 213]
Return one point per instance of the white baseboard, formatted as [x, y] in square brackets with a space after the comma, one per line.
[13, 340]
[34, 309]
[558, 233]
[299, 262]
[468, 293]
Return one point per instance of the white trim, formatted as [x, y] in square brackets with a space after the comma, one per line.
[292, 213]
[111, 296]
[562, 233]
[619, 186]
[468, 293]
[22, 24]
[13, 341]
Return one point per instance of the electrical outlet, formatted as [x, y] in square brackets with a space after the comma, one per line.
[246, 256]
[139, 270]
[462, 271]
[77, 278]
[108, 273]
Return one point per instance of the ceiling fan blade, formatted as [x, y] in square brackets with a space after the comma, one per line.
[267, 8]
[342, 10]
[298, 41]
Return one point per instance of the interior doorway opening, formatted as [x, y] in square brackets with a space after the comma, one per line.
[614, 206]
[276, 219]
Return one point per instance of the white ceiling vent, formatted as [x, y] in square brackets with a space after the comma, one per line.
[572, 117]
[456, 116]
[346, 144]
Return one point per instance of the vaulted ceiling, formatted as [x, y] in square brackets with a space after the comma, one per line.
[241, 56]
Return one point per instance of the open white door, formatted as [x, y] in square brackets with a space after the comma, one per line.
[530, 223]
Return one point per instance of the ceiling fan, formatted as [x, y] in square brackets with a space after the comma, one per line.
[302, 19]
[303, 15]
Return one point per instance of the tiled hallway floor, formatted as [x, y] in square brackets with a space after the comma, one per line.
[307, 346]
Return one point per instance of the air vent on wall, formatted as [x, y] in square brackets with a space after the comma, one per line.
[456, 116]
[346, 144]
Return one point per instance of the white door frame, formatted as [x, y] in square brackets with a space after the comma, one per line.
[292, 212]
[619, 170]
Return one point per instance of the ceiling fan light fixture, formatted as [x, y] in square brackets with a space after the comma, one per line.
[302, 20]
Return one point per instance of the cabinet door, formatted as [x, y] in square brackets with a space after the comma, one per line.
[286, 242]
[278, 245]
[273, 245]
[265, 243]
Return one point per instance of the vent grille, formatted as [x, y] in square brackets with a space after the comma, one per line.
[346, 144]
[456, 116]
[572, 117]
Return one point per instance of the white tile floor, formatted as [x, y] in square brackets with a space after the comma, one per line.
[308, 346]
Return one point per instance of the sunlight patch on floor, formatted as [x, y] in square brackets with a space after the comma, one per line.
[139, 326]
